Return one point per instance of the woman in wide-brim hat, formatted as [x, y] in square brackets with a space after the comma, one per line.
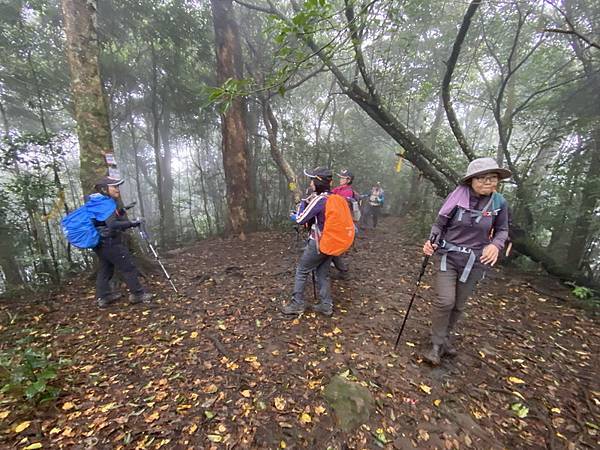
[468, 235]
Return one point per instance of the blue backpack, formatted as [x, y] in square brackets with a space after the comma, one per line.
[78, 226]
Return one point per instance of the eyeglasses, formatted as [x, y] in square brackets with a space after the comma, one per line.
[488, 179]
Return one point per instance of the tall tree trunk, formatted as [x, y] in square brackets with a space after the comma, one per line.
[91, 112]
[8, 252]
[4, 117]
[155, 127]
[168, 184]
[50, 246]
[136, 160]
[254, 146]
[240, 198]
[8, 258]
[57, 182]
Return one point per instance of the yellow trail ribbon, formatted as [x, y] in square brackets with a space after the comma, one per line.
[400, 160]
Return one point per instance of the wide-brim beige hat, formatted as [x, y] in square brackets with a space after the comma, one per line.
[481, 166]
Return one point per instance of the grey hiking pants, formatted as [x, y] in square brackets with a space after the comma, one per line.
[339, 263]
[312, 260]
[451, 299]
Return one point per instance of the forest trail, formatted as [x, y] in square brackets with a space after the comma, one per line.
[218, 366]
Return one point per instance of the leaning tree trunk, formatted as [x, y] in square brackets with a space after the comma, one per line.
[272, 126]
[240, 198]
[91, 111]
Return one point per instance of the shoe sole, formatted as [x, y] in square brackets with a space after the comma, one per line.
[292, 313]
[432, 363]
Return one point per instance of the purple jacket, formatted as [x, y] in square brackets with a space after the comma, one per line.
[313, 210]
[470, 233]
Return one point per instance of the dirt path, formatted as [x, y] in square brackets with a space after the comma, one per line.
[219, 367]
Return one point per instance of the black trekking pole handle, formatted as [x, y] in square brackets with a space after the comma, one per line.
[412, 299]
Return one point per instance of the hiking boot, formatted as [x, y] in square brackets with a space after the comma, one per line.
[144, 297]
[293, 308]
[325, 309]
[433, 357]
[107, 300]
[449, 350]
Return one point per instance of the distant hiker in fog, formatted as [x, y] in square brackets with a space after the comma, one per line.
[112, 252]
[468, 235]
[374, 204]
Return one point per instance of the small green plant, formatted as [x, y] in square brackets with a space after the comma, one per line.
[520, 409]
[582, 293]
[29, 375]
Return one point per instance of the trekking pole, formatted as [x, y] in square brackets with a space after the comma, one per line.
[144, 235]
[314, 285]
[423, 267]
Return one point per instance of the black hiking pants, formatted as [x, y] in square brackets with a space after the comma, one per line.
[113, 254]
[373, 216]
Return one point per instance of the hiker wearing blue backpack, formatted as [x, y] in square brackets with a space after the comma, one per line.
[470, 230]
[112, 251]
[99, 225]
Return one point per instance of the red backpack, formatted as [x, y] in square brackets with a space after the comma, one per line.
[338, 232]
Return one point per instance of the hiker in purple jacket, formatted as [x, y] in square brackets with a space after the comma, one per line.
[312, 213]
[470, 230]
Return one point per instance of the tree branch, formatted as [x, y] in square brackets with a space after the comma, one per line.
[304, 79]
[574, 33]
[357, 45]
[437, 170]
[452, 119]
[256, 7]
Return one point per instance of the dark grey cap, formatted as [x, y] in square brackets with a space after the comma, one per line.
[321, 173]
[108, 181]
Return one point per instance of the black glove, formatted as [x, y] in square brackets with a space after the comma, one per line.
[135, 223]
